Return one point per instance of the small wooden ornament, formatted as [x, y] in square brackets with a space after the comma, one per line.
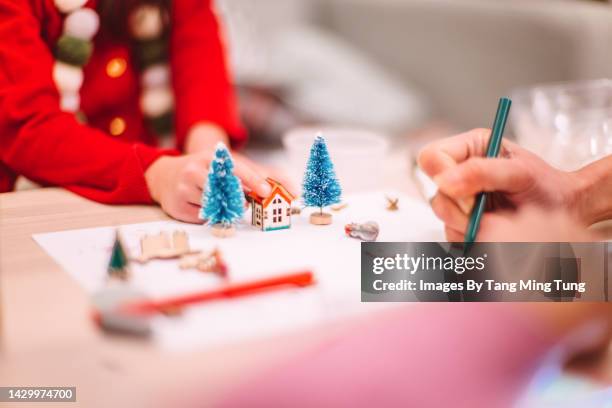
[339, 206]
[271, 213]
[318, 218]
[221, 231]
[164, 246]
[392, 203]
[206, 261]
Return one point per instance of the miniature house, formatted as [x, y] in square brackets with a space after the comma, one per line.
[272, 212]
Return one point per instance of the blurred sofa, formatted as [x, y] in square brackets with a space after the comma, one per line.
[464, 54]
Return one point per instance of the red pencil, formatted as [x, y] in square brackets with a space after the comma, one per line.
[303, 278]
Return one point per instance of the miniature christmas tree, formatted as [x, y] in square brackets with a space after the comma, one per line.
[321, 187]
[223, 199]
[118, 264]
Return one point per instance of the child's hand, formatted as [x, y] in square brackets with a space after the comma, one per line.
[176, 183]
[518, 178]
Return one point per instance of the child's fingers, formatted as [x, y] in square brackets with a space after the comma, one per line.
[192, 194]
[279, 176]
[187, 212]
[252, 179]
[195, 174]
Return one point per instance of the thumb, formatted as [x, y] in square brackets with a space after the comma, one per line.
[479, 174]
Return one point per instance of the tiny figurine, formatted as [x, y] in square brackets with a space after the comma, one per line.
[118, 263]
[223, 200]
[272, 212]
[368, 231]
[339, 207]
[160, 246]
[392, 203]
[210, 261]
[321, 187]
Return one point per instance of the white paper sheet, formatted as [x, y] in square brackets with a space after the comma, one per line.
[250, 254]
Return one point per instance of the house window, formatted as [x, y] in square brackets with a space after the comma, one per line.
[280, 218]
[288, 211]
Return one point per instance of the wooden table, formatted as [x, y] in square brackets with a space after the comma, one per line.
[47, 337]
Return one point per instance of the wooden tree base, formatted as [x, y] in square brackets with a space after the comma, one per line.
[220, 231]
[317, 218]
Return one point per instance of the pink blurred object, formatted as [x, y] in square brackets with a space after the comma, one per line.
[442, 355]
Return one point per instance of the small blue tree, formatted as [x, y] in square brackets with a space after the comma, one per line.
[320, 187]
[222, 199]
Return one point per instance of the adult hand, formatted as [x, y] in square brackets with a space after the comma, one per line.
[530, 224]
[517, 178]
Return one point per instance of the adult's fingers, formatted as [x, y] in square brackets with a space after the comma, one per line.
[453, 235]
[481, 174]
[533, 224]
[493, 228]
[445, 153]
[448, 211]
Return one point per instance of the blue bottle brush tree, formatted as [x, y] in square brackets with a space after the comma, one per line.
[223, 198]
[320, 187]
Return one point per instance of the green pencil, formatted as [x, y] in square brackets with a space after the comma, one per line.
[499, 124]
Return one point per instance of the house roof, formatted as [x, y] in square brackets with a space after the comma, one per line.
[277, 188]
